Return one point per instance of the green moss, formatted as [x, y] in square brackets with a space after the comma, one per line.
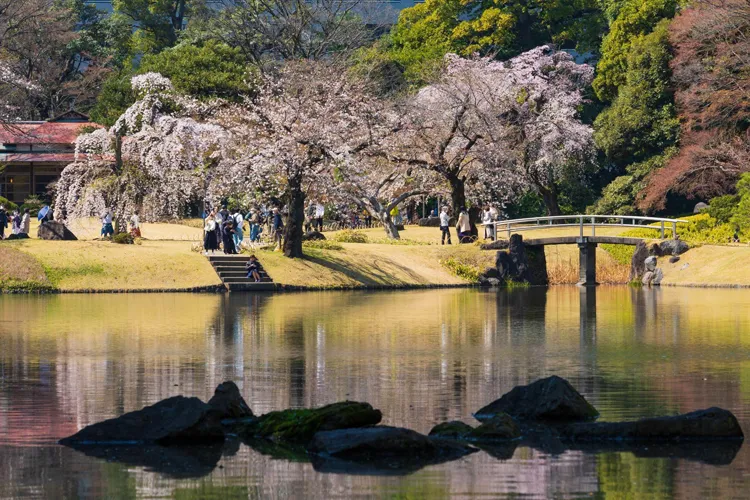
[322, 244]
[300, 425]
[350, 236]
[57, 274]
[16, 286]
[512, 285]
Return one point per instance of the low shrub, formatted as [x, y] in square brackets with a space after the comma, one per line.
[462, 270]
[622, 254]
[322, 244]
[722, 207]
[700, 229]
[123, 239]
[350, 236]
[33, 203]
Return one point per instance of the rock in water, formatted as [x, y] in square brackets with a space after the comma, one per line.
[650, 263]
[177, 420]
[300, 425]
[54, 230]
[451, 430]
[394, 444]
[229, 402]
[499, 427]
[551, 398]
[713, 423]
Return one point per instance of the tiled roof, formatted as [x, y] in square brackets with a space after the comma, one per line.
[43, 132]
[39, 157]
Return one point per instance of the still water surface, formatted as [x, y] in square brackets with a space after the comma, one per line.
[422, 357]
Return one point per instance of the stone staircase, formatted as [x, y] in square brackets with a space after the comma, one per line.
[231, 270]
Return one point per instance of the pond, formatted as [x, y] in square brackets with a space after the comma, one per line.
[422, 357]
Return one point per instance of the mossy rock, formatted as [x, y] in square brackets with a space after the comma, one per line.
[500, 427]
[299, 426]
[454, 430]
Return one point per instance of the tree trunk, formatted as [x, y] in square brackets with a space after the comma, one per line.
[388, 225]
[295, 220]
[458, 201]
[549, 196]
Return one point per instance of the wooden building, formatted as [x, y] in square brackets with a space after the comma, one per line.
[33, 154]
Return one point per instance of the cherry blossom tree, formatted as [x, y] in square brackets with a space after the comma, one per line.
[157, 158]
[500, 126]
[307, 119]
[378, 185]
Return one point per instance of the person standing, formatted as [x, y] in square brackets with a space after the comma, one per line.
[26, 222]
[209, 234]
[320, 211]
[464, 227]
[277, 226]
[228, 232]
[135, 226]
[255, 225]
[445, 222]
[239, 233]
[107, 229]
[489, 227]
[3, 222]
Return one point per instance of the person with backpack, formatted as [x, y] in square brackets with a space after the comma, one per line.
[239, 235]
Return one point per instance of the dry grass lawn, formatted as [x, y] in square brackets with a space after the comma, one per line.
[101, 265]
[89, 229]
[709, 265]
[17, 268]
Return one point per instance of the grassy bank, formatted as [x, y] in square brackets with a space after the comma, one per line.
[164, 261]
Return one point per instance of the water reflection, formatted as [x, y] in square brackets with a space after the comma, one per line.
[421, 356]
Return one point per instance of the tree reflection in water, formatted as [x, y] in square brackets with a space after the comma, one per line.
[422, 357]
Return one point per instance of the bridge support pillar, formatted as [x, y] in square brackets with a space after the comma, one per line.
[587, 263]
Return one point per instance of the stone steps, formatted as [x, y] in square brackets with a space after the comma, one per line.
[231, 271]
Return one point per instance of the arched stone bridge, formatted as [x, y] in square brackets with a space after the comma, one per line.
[584, 229]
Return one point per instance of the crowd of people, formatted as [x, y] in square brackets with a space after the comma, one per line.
[490, 214]
[225, 230]
[19, 221]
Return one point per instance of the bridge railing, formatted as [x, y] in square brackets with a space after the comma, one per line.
[585, 221]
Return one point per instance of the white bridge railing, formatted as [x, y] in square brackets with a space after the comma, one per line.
[585, 221]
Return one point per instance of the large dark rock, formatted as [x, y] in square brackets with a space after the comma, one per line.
[313, 236]
[300, 425]
[19, 236]
[710, 424]
[397, 447]
[228, 401]
[429, 222]
[637, 262]
[54, 230]
[177, 420]
[673, 247]
[521, 264]
[551, 398]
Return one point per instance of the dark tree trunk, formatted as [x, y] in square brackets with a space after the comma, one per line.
[549, 196]
[458, 200]
[295, 220]
[390, 228]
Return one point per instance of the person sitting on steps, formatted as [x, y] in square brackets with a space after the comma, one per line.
[253, 268]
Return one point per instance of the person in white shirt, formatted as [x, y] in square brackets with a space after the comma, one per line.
[107, 229]
[135, 226]
[464, 227]
[26, 221]
[489, 227]
[445, 224]
[320, 211]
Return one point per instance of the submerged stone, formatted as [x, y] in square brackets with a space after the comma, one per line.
[709, 424]
[551, 398]
[176, 420]
[392, 446]
[500, 427]
[452, 430]
[300, 425]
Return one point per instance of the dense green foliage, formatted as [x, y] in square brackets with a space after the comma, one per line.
[208, 71]
[427, 31]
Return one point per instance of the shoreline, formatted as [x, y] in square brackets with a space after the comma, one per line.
[281, 288]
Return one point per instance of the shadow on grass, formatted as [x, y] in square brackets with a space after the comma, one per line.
[377, 272]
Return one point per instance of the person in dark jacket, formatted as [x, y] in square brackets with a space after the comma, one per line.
[227, 233]
[277, 227]
[3, 222]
